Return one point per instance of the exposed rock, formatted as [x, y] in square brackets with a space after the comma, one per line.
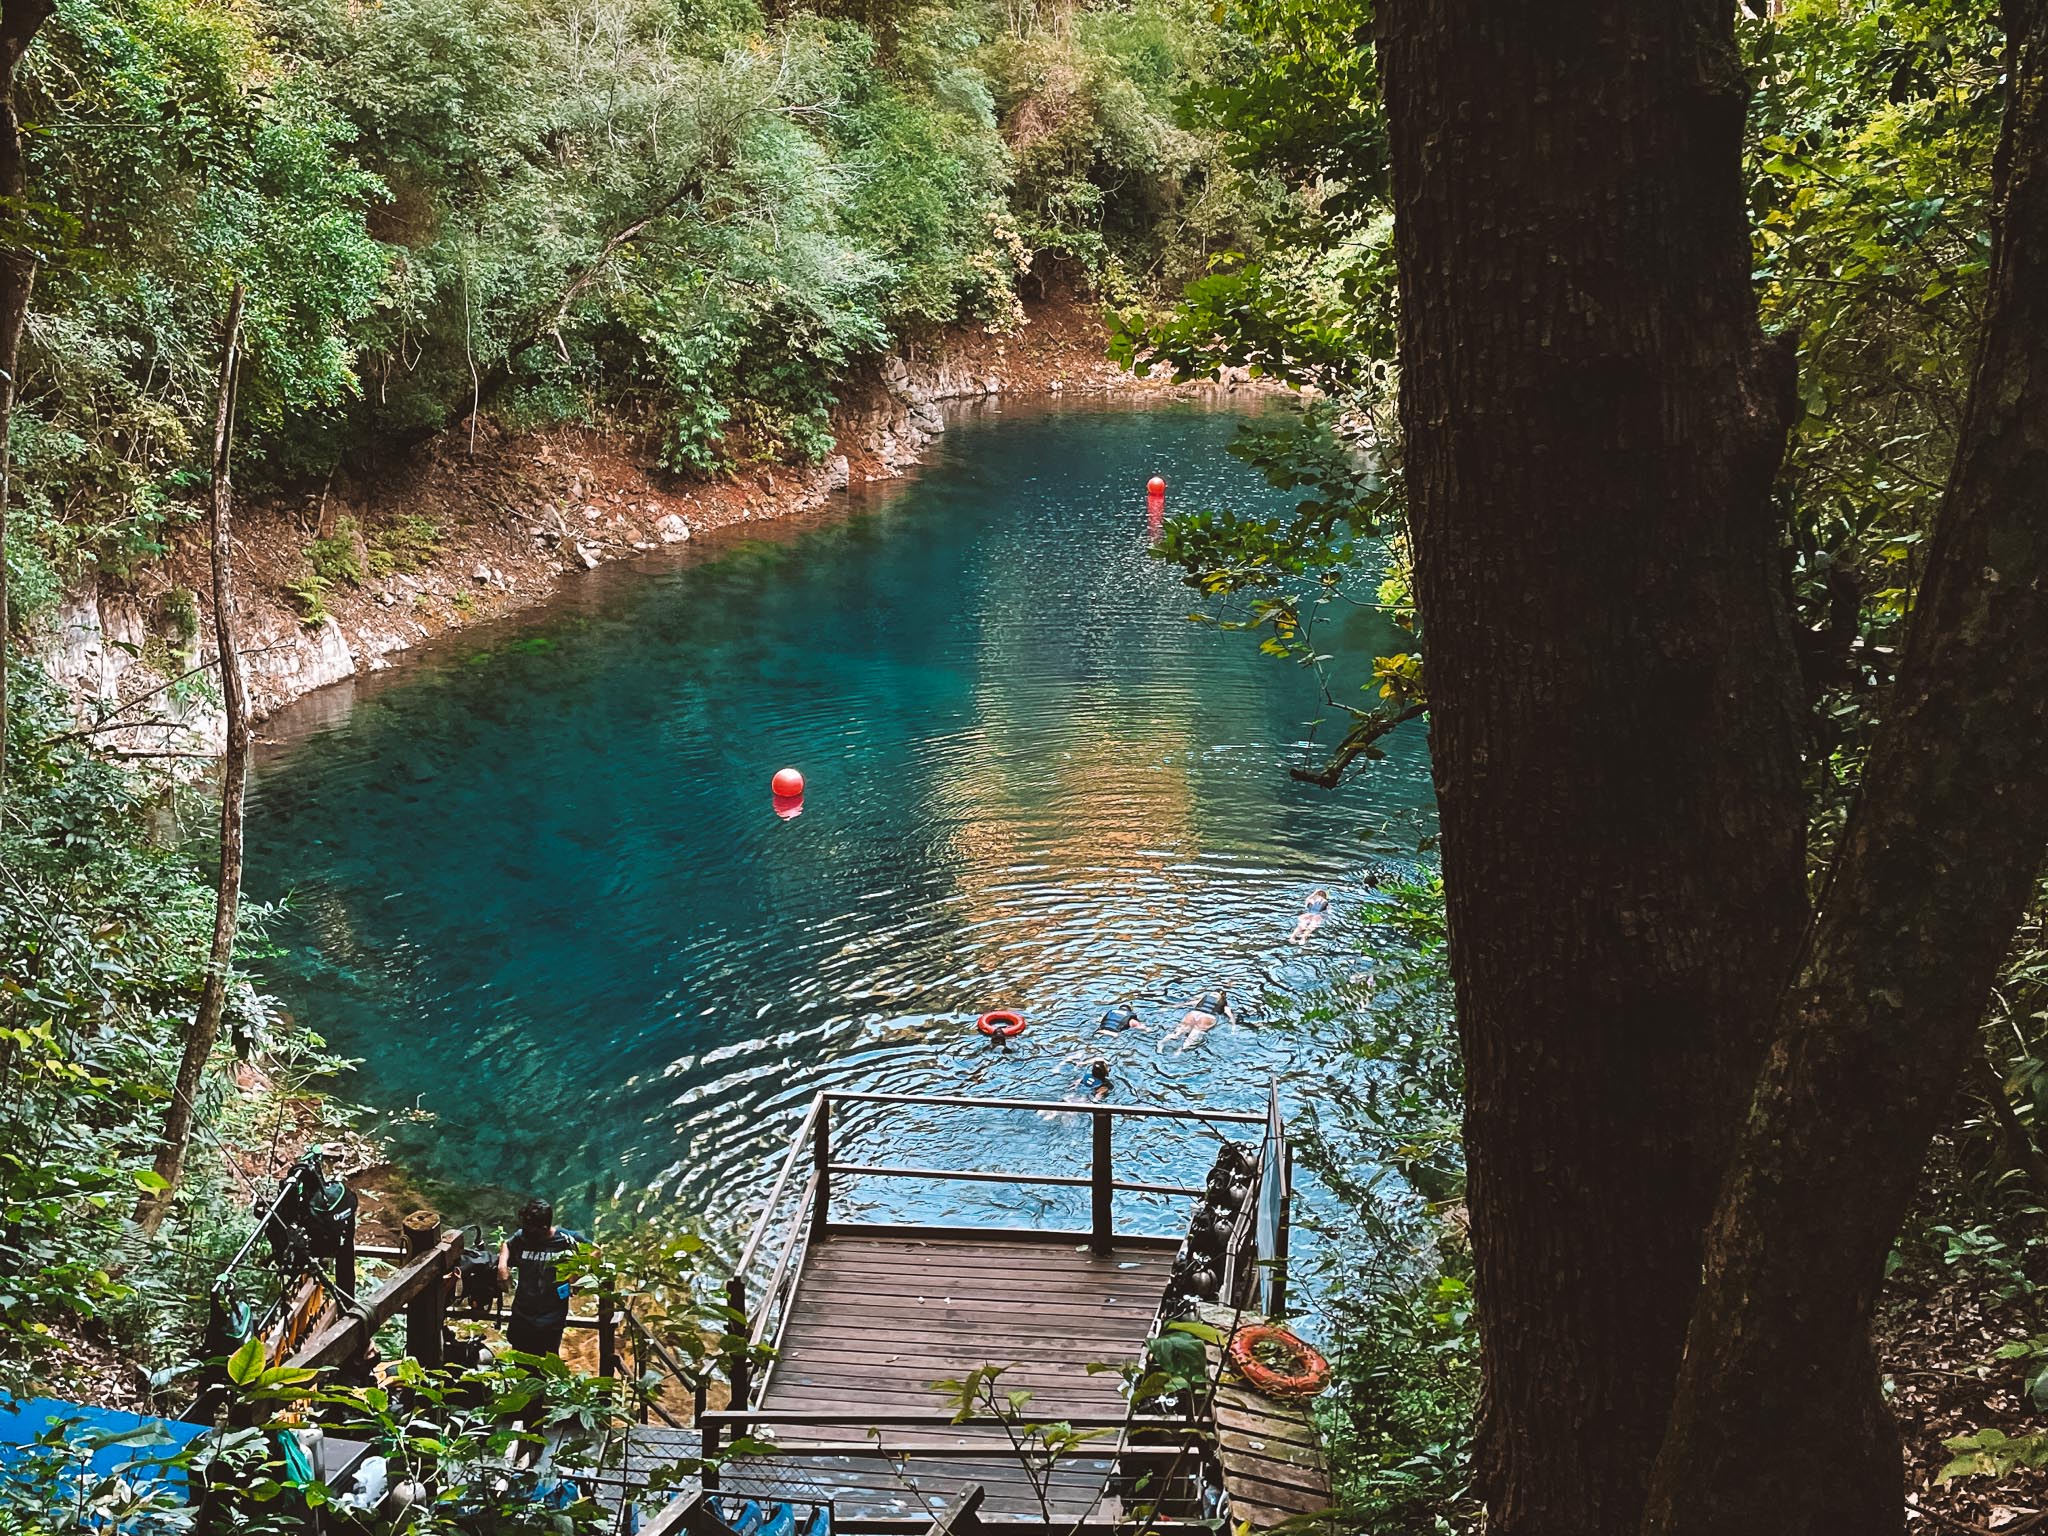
[588, 556]
[838, 473]
[673, 529]
[289, 666]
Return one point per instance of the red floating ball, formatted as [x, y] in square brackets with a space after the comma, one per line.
[1155, 486]
[788, 784]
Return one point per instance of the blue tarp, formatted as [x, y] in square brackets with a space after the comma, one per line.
[119, 1438]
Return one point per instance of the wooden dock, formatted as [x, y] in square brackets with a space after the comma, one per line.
[858, 1321]
[876, 1320]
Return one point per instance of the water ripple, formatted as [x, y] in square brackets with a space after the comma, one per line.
[542, 889]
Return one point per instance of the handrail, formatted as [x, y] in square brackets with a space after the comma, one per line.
[772, 1294]
[813, 1207]
[796, 1146]
[985, 1176]
[965, 1175]
[338, 1339]
[959, 1450]
[754, 1418]
[1136, 1111]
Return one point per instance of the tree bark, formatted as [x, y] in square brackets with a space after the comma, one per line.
[205, 1031]
[1592, 422]
[20, 20]
[1936, 864]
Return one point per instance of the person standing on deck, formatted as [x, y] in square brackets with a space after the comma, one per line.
[540, 1301]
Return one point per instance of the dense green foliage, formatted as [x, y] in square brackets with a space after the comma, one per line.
[103, 934]
[1395, 1274]
[691, 220]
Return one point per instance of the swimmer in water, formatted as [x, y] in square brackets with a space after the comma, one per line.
[1203, 1015]
[1092, 1086]
[1120, 1018]
[1313, 911]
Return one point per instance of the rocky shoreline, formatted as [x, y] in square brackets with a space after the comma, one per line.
[481, 523]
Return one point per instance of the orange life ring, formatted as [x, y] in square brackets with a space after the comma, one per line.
[1306, 1380]
[1001, 1024]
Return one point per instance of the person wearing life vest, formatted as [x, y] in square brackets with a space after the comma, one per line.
[1203, 1015]
[540, 1297]
[1118, 1019]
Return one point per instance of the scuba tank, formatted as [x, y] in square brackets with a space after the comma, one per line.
[482, 1290]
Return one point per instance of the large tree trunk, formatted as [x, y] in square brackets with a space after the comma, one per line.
[20, 20]
[1592, 423]
[1935, 866]
[205, 1031]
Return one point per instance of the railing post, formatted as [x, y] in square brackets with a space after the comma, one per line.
[821, 1160]
[1286, 1161]
[741, 1369]
[1102, 1217]
[710, 1449]
[426, 1313]
[607, 1332]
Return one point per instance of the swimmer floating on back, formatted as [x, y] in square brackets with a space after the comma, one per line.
[1120, 1018]
[1203, 1015]
[1313, 911]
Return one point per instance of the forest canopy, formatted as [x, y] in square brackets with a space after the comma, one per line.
[691, 221]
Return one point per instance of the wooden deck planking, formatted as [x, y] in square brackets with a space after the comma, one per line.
[876, 1319]
[1270, 1452]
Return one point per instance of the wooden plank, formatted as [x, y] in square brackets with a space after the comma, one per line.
[1300, 1501]
[852, 1404]
[814, 1328]
[339, 1339]
[1053, 1260]
[1288, 1430]
[1133, 1306]
[962, 1516]
[1023, 1349]
[917, 1380]
[996, 1285]
[889, 1382]
[1262, 1517]
[1236, 1443]
[996, 1241]
[1253, 1407]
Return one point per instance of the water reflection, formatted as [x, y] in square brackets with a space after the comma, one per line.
[538, 880]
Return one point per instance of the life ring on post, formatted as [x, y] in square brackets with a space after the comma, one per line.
[1285, 1367]
[1001, 1024]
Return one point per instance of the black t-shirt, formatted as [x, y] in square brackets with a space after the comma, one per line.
[538, 1289]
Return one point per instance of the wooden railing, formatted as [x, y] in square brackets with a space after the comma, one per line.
[794, 1223]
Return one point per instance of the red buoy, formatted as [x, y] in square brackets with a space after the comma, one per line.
[1155, 504]
[788, 784]
[1156, 488]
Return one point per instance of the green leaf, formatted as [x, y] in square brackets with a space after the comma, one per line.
[246, 1364]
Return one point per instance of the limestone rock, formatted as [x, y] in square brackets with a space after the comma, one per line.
[673, 529]
[838, 473]
[587, 556]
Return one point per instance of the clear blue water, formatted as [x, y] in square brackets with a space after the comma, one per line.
[536, 883]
